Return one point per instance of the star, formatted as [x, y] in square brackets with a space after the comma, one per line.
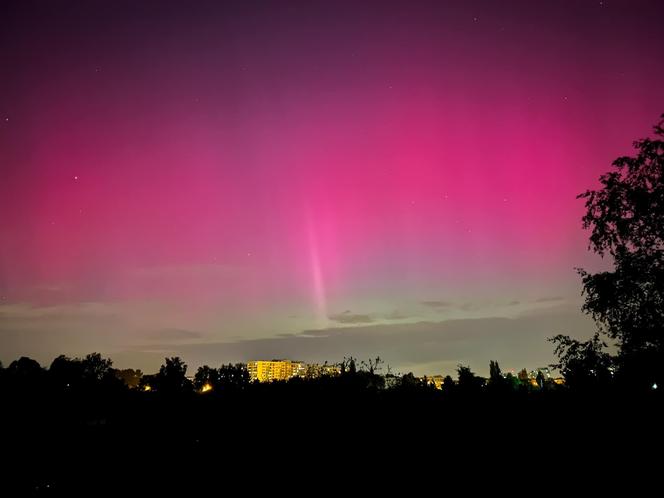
[75, 177]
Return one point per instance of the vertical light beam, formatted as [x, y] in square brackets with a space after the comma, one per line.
[317, 279]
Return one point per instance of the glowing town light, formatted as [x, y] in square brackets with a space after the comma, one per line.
[147, 387]
[654, 386]
[206, 388]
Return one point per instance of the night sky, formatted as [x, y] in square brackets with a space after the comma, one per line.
[229, 181]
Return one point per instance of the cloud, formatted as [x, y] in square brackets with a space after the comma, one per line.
[139, 335]
[347, 317]
[43, 332]
[436, 304]
[396, 315]
[515, 342]
[451, 306]
[549, 299]
[174, 334]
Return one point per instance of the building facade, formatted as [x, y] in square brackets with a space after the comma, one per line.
[268, 371]
[280, 369]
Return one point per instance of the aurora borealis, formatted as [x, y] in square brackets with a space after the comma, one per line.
[226, 180]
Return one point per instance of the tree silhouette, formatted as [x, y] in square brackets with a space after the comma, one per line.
[409, 382]
[583, 364]
[206, 377]
[96, 368]
[372, 365]
[66, 373]
[348, 365]
[511, 381]
[91, 372]
[448, 384]
[25, 374]
[148, 382]
[468, 382]
[172, 377]
[626, 219]
[497, 383]
[129, 377]
[494, 372]
[233, 376]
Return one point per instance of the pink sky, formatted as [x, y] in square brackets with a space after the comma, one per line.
[241, 174]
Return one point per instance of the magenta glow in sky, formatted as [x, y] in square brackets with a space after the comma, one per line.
[231, 180]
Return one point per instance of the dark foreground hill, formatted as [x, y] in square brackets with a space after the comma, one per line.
[131, 443]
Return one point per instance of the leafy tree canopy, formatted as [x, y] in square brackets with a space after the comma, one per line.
[626, 219]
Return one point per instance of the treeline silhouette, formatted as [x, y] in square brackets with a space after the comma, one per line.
[81, 422]
[94, 375]
[584, 365]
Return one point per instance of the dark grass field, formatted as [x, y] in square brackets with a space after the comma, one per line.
[131, 443]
